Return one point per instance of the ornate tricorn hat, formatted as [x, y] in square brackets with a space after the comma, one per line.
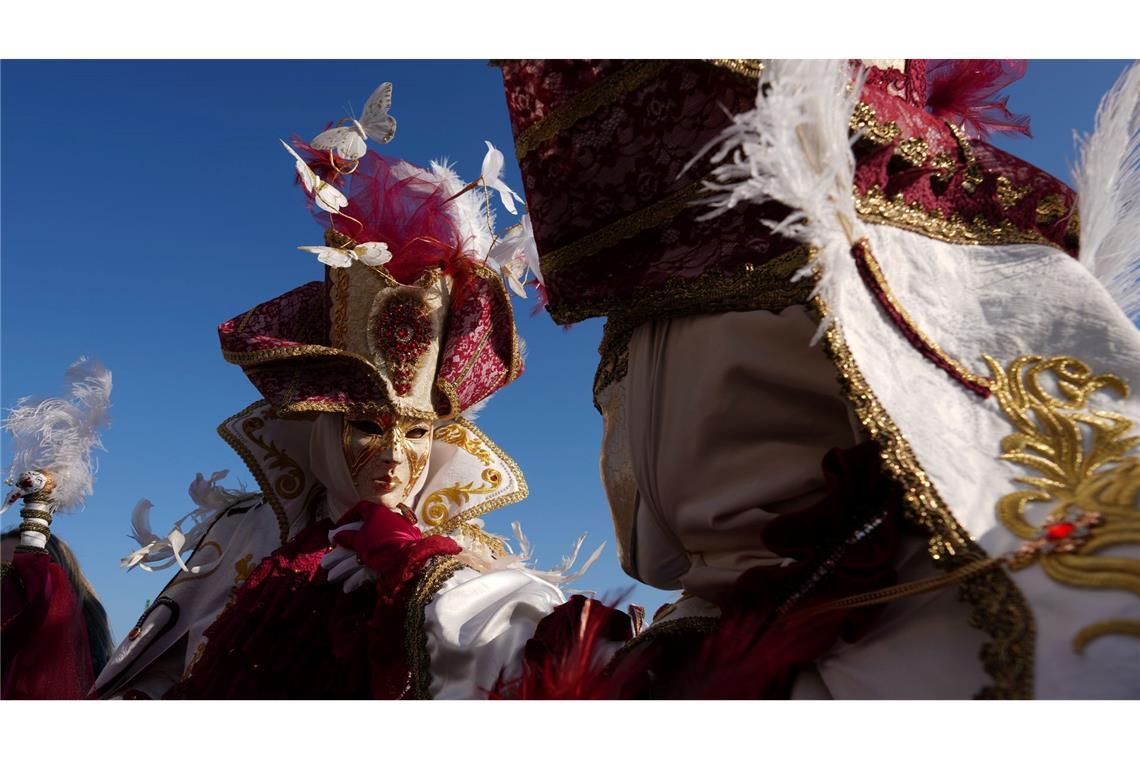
[428, 334]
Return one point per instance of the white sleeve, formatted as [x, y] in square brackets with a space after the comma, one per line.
[476, 627]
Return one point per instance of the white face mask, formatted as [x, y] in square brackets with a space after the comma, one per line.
[386, 457]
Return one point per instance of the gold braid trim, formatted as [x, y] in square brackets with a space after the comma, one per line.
[437, 572]
[766, 287]
[687, 626]
[622, 229]
[247, 456]
[587, 102]
[999, 608]
[874, 207]
[749, 68]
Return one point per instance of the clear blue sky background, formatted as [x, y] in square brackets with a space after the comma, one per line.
[144, 202]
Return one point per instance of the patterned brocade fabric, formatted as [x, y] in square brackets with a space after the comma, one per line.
[603, 148]
[604, 145]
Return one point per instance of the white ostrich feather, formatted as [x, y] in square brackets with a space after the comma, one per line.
[160, 552]
[1107, 177]
[59, 434]
[471, 211]
[794, 148]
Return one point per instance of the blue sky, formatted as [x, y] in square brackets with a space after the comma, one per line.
[144, 202]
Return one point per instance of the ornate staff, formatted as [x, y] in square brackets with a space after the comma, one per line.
[52, 441]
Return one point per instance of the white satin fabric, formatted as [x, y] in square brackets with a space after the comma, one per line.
[731, 415]
[477, 625]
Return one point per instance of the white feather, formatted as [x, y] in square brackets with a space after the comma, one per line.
[471, 211]
[794, 148]
[1107, 177]
[158, 553]
[559, 575]
[59, 434]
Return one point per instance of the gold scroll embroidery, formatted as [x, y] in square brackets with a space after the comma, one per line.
[435, 507]
[458, 436]
[291, 482]
[1008, 195]
[1084, 461]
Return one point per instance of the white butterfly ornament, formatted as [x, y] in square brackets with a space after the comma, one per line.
[492, 174]
[516, 254]
[327, 197]
[375, 123]
[369, 254]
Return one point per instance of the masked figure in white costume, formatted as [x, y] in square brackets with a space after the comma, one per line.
[940, 412]
[361, 570]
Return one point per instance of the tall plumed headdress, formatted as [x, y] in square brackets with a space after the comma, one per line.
[412, 317]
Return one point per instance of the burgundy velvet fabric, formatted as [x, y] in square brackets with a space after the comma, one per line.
[291, 634]
[44, 644]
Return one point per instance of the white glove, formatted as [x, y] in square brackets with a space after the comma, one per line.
[344, 566]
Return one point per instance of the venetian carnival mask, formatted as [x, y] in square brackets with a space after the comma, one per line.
[387, 457]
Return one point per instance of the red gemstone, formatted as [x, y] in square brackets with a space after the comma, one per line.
[1059, 531]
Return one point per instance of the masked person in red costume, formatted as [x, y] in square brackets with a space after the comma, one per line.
[868, 391]
[362, 569]
[55, 633]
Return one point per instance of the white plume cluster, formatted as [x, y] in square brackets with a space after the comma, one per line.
[1107, 177]
[160, 552]
[59, 434]
[559, 575]
[794, 148]
[471, 211]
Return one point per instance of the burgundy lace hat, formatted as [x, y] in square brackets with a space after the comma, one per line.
[427, 334]
[605, 150]
[609, 158]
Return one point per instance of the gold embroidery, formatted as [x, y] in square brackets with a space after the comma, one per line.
[497, 546]
[624, 228]
[458, 436]
[749, 68]
[1050, 209]
[586, 103]
[877, 274]
[944, 166]
[874, 208]
[913, 150]
[768, 287]
[1000, 609]
[254, 466]
[1047, 402]
[435, 509]
[417, 463]
[864, 119]
[1119, 627]
[1009, 196]
[518, 494]
[973, 174]
[291, 482]
[437, 572]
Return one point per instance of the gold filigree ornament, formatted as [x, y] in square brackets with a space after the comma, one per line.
[1087, 468]
[435, 508]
